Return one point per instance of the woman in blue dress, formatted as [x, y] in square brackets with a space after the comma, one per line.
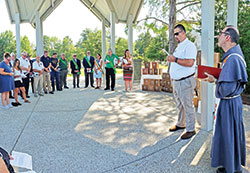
[229, 143]
[98, 71]
[6, 81]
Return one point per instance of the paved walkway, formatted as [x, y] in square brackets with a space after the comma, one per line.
[95, 131]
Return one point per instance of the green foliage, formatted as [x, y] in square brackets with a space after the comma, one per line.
[91, 40]
[244, 15]
[52, 44]
[142, 43]
[7, 43]
[120, 46]
[26, 46]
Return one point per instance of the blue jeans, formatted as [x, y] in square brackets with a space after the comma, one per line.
[54, 74]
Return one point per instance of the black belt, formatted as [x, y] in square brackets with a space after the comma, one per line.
[185, 77]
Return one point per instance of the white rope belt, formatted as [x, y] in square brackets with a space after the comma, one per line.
[227, 98]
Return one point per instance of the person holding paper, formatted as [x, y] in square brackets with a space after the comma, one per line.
[229, 143]
[127, 70]
[25, 67]
[75, 65]
[182, 72]
[18, 76]
[88, 64]
[110, 69]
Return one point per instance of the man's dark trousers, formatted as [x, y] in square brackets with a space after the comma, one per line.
[110, 73]
[87, 76]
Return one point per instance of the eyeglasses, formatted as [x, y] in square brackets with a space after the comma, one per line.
[177, 33]
[226, 33]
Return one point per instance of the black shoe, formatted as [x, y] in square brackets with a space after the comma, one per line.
[27, 96]
[92, 86]
[59, 90]
[188, 135]
[78, 87]
[96, 87]
[85, 87]
[14, 104]
[106, 89]
[45, 92]
[51, 92]
[19, 104]
[66, 87]
[221, 170]
[74, 86]
[11, 97]
[112, 89]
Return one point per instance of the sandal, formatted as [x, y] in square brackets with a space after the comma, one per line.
[27, 101]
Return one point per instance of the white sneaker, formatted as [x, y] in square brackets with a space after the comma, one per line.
[5, 107]
[9, 106]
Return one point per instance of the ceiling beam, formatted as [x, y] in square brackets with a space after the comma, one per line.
[33, 14]
[50, 10]
[9, 13]
[16, 6]
[138, 11]
[96, 12]
[112, 8]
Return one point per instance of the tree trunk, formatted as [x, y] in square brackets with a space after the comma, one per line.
[172, 20]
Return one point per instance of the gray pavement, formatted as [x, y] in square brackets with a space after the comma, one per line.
[96, 131]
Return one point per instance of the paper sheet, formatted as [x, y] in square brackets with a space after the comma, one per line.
[21, 160]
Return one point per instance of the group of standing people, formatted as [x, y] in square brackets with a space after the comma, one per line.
[48, 74]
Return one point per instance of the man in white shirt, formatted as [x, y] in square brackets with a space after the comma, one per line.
[182, 73]
[38, 69]
[25, 67]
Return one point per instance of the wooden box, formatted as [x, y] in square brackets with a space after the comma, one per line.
[151, 87]
[157, 82]
[198, 58]
[149, 82]
[195, 100]
[160, 71]
[166, 76]
[155, 65]
[147, 64]
[216, 59]
[144, 87]
[158, 88]
[156, 71]
[151, 71]
[145, 71]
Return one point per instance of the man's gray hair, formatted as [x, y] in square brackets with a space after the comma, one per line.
[110, 49]
[12, 54]
[24, 53]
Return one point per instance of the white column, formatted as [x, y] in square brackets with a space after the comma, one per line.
[207, 54]
[232, 12]
[112, 27]
[130, 34]
[18, 37]
[103, 49]
[39, 35]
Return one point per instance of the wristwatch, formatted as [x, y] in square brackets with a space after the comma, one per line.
[176, 59]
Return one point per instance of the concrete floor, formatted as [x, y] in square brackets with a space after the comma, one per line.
[96, 131]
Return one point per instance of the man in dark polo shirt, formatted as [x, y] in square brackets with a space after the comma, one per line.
[54, 73]
[45, 59]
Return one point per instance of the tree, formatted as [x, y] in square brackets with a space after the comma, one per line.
[52, 44]
[90, 41]
[68, 48]
[26, 46]
[243, 25]
[143, 41]
[7, 43]
[120, 46]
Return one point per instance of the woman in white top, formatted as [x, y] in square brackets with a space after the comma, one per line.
[18, 83]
